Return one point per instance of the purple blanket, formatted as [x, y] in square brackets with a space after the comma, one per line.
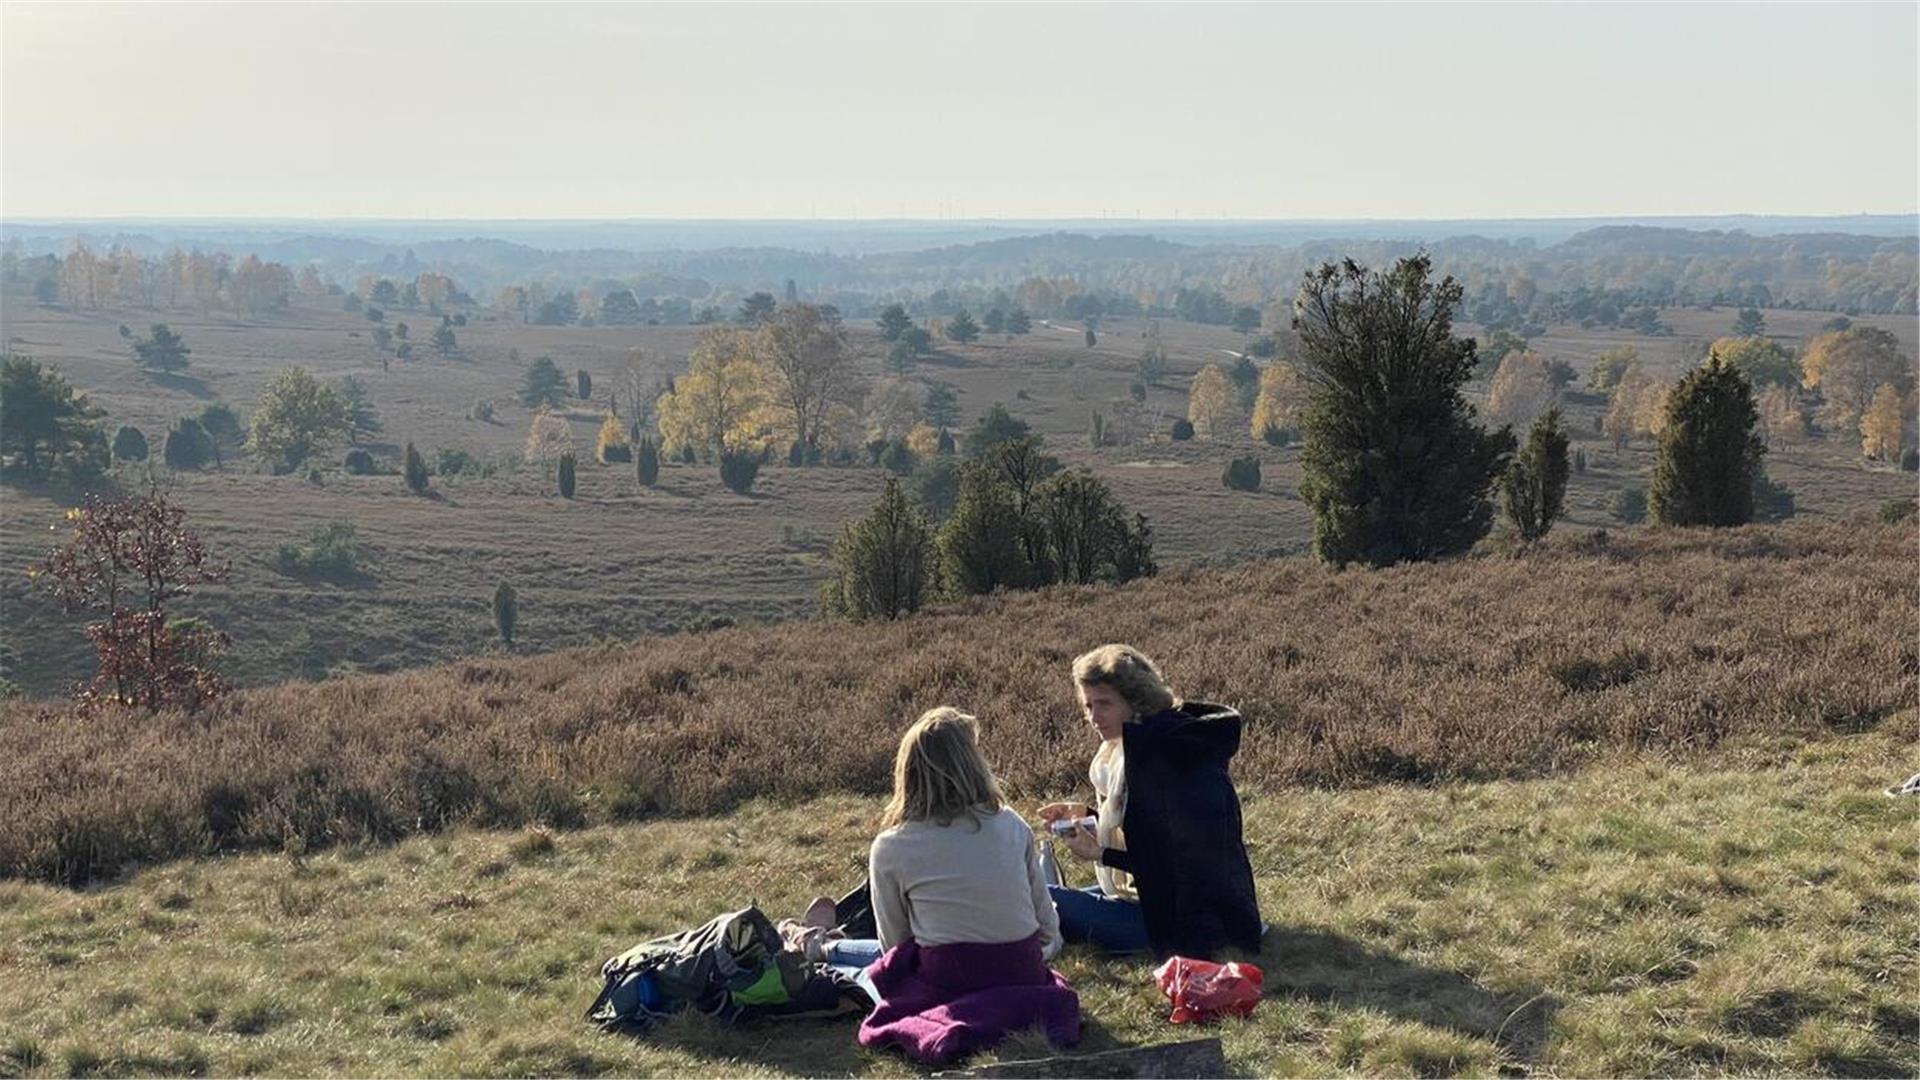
[946, 1001]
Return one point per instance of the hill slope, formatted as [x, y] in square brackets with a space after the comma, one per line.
[1664, 642]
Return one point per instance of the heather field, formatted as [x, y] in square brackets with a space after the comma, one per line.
[621, 561]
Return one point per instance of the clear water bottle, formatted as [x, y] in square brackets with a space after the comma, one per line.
[1049, 866]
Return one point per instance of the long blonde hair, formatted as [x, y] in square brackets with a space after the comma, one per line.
[1131, 675]
[939, 773]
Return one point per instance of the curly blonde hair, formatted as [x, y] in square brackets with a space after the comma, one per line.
[1131, 675]
[939, 773]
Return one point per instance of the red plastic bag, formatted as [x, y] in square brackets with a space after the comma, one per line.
[1202, 990]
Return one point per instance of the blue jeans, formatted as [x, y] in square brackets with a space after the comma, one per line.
[1114, 926]
[851, 957]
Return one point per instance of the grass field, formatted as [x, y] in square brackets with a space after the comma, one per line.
[1637, 918]
[619, 561]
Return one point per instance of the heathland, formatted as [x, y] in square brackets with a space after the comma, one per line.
[621, 560]
[1609, 807]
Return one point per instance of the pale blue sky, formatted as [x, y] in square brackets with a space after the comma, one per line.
[1242, 111]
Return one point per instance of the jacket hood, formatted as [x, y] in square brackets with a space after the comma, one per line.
[1200, 728]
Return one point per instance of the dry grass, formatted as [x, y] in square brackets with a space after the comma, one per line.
[1749, 640]
[1636, 918]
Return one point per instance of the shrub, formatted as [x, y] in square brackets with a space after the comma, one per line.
[451, 462]
[1097, 431]
[1895, 511]
[359, 462]
[1182, 430]
[188, 446]
[998, 426]
[946, 447]
[1630, 505]
[583, 382]
[1709, 453]
[1395, 466]
[1536, 480]
[1086, 531]
[506, 611]
[129, 444]
[896, 458]
[935, 485]
[1771, 501]
[738, 469]
[884, 563]
[566, 475]
[612, 444]
[980, 548]
[1910, 459]
[482, 411]
[646, 459]
[415, 471]
[1580, 461]
[1242, 474]
[331, 552]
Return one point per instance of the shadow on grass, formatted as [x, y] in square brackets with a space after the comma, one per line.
[826, 1046]
[1335, 970]
[186, 384]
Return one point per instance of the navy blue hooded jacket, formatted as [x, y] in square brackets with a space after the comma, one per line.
[1184, 844]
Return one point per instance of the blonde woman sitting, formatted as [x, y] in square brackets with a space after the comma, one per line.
[1171, 867]
[962, 911]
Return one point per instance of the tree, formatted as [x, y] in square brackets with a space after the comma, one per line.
[1522, 388]
[126, 559]
[620, 308]
[1092, 340]
[583, 385]
[542, 384]
[1781, 420]
[1749, 323]
[1883, 424]
[41, 419]
[1848, 367]
[187, 445]
[1086, 531]
[1209, 401]
[1535, 484]
[161, 350]
[1241, 474]
[1245, 377]
[901, 357]
[1612, 366]
[962, 328]
[804, 348]
[894, 322]
[1246, 319]
[444, 341]
[738, 469]
[1765, 363]
[998, 426]
[1709, 452]
[1499, 343]
[723, 402]
[611, 444]
[548, 437]
[994, 321]
[566, 474]
[979, 545]
[1278, 404]
[1153, 357]
[885, 563]
[362, 419]
[755, 309]
[1395, 468]
[561, 310]
[646, 457]
[1182, 430]
[129, 444]
[382, 338]
[414, 469]
[401, 330]
[942, 408]
[299, 416]
[1018, 322]
[892, 409]
[506, 612]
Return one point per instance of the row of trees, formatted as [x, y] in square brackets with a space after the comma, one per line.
[207, 281]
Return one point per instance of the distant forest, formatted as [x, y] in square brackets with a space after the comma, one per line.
[1609, 275]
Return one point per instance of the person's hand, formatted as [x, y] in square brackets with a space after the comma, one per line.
[1083, 843]
[1053, 812]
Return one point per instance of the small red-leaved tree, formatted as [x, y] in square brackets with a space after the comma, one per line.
[126, 558]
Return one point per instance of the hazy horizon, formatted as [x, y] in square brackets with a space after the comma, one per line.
[956, 113]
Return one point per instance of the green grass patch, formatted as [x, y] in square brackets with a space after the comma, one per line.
[1635, 918]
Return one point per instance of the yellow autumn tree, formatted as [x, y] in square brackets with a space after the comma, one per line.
[723, 401]
[1848, 367]
[893, 408]
[1209, 401]
[1881, 425]
[1522, 388]
[548, 437]
[612, 443]
[1281, 400]
[924, 440]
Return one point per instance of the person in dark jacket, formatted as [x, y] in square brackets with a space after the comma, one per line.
[1171, 866]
